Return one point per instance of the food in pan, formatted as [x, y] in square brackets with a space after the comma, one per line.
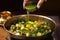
[30, 28]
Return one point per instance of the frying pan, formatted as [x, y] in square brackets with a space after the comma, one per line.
[33, 17]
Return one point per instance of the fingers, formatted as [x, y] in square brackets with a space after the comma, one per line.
[24, 3]
[40, 2]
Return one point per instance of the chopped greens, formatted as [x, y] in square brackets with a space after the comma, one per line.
[30, 28]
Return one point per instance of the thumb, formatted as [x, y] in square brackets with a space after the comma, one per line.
[24, 3]
[40, 2]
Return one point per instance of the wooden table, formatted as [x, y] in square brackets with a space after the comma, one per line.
[3, 34]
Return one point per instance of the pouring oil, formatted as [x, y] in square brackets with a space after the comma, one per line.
[30, 8]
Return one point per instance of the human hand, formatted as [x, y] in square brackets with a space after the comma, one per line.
[39, 4]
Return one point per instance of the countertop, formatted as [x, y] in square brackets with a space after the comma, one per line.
[3, 34]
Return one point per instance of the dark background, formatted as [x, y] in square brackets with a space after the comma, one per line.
[51, 7]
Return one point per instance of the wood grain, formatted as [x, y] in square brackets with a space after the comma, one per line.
[3, 34]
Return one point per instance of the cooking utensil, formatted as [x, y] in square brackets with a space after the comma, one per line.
[8, 22]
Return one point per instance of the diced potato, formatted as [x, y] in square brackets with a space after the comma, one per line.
[12, 27]
[17, 33]
[22, 27]
[42, 22]
[11, 30]
[46, 30]
[49, 30]
[34, 25]
[45, 26]
[30, 22]
[28, 25]
[39, 34]
[31, 28]
[26, 28]
[28, 34]
[35, 21]
[22, 22]
[17, 25]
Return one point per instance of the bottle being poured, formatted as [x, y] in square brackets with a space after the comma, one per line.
[30, 7]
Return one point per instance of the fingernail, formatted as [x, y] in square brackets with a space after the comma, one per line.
[38, 6]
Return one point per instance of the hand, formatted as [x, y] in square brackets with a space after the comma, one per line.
[40, 2]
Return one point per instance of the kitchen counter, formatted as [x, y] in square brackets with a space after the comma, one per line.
[3, 34]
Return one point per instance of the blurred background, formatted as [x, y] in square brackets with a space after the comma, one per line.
[51, 7]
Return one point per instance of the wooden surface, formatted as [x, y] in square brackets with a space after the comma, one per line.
[3, 34]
